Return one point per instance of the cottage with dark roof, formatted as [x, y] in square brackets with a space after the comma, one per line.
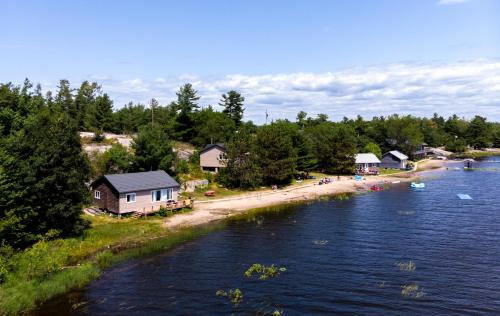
[213, 157]
[135, 192]
[394, 160]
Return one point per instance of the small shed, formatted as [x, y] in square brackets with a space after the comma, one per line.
[394, 160]
[213, 157]
[365, 161]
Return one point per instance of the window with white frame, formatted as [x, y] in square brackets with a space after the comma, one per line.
[156, 196]
[130, 197]
[161, 195]
[97, 194]
[166, 194]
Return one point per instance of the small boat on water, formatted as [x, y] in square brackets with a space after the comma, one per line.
[376, 188]
[462, 196]
[417, 185]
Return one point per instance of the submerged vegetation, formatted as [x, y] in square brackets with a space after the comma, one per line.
[406, 266]
[235, 296]
[412, 291]
[264, 272]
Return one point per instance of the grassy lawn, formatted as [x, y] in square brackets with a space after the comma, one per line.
[385, 172]
[50, 268]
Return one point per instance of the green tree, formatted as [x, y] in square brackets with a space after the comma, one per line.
[187, 106]
[152, 149]
[242, 167]
[277, 156]
[373, 148]
[115, 160]
[212, 127]
[404, 133]
[46, 171]
[335, 147]
[84, 100]
[233, 106]
[478, 133]
[99, 114]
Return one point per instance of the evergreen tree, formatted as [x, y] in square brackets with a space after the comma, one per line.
[187, 106]
[277, 156]
[99, 115]
[242, 167]
[152, 149]
[233, 106]
[64, 99]
[46, 171]
[84, 102]
[479, 133]
[212, 126]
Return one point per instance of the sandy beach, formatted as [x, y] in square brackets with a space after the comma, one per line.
[214, 210]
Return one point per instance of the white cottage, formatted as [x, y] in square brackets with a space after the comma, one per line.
[367, 163]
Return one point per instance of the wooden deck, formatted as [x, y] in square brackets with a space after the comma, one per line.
[168, 206]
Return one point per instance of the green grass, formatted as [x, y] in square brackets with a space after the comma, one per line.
[52, 268]
[385, 172]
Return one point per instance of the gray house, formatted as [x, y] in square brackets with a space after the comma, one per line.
[394, 160]
[135, 192]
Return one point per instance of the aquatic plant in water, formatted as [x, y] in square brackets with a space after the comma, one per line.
[236, 296]
[412, 290]
[406, 266]
[264, 272]
[277, 313]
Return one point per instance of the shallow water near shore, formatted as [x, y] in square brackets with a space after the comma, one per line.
[400, 251]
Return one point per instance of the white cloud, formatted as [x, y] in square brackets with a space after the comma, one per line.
[448, 2]
[465, 88]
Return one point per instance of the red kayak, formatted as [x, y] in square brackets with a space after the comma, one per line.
[376, 188]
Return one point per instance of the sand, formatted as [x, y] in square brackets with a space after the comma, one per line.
[214, 210]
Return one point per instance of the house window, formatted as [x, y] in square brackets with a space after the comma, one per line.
[97, 194]
[161, 195]
[156, 196]
[166, 194]
[130, 197]
[222, 156]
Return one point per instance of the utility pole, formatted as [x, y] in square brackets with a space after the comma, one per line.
[267, 115]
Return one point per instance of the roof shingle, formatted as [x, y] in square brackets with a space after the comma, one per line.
[140, 181]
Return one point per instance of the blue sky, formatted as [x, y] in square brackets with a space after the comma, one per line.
[334, 57]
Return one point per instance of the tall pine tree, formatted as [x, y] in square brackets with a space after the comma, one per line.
[233, 106]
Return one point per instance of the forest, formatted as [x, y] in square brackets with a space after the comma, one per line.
[44, 173]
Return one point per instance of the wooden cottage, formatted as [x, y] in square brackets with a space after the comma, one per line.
[135, 192]
[394, 160]
[213, 157]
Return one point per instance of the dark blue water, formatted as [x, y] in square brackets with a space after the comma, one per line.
[454, 244]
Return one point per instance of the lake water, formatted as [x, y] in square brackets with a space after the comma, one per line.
[341, 258]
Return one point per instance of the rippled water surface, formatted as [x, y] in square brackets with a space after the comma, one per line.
[341, 258]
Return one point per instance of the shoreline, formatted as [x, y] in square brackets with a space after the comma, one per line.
[209, 211]
[179, 228]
